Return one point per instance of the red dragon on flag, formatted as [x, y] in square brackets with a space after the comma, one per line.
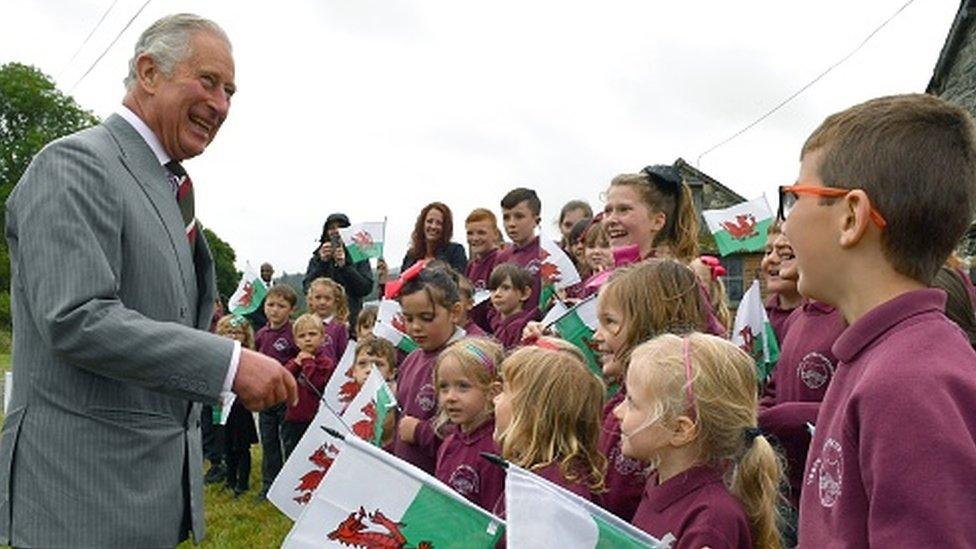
[322, 458]
[748, 340]
[245, 299]
[548, 272]
[349, 389]
[364, 240]
[353, 532]
[364, 427]
[743, 228]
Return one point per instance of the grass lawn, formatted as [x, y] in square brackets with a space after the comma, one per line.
[232, 522]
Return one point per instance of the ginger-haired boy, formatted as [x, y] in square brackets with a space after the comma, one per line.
[885, 191]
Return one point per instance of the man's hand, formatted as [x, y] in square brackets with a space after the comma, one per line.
[325, 251]
[262, 382]
[382, 271]
[339, 256]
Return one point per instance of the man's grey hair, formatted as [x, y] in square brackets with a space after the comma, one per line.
[167, 41]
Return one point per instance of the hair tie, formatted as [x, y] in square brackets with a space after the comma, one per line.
[484, 359]
[237, 321]
[714, 266]
[751, 433]
[393, 288]
[542, 343]
[689, 391]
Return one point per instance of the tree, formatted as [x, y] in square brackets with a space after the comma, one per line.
[33, 112]
[224, 256]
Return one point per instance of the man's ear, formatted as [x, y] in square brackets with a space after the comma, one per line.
[147, 73]
[856, 217]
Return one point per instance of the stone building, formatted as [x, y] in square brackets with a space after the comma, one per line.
[709, 194]
[954, 79]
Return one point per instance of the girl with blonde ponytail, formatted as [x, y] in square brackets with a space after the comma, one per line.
[690, 412]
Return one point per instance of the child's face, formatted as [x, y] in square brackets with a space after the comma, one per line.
[481, 237]
[321, 299]
[610, 334]
[433, 225]
[277, 310]
[464, 402]
[236, 333]
[508, 299]
[429, 324]
[773, 267]
[364, 363]
[570, 220]
[520, 223]
[503, 411]
[643, 436]
[364, 329]
[629, 220]
[309, 339]
[811, 233]
[599, 258]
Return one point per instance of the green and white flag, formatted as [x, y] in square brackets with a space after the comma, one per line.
[391, 326]
[249, 294]
[577, 326]
[740, 228]
[307, 465]
[367, 412]
[541, 514]
[342, 386]
[364, 240]
[372, 499]
[556, 271]
[753, 333]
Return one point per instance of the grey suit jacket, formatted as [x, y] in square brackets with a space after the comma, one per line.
[101, 445]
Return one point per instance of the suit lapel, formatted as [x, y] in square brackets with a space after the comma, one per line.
[153, 179]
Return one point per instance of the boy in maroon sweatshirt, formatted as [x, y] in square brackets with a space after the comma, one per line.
[312, 369]
[511, 288]
[521, 210]
[886, 189]
[276, 340]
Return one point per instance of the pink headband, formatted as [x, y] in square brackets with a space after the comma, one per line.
[484, 359]
[714, 265]
[688, 389]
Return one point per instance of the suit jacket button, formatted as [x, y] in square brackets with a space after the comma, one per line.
[182, 312]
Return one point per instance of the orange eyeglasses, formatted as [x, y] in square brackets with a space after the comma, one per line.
[788, 196]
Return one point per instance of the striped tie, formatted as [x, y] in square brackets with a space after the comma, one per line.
[184, 198]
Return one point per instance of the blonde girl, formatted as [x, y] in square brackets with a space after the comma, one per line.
[467, 380]
[326, 298]
[639, 302]
[690, 412]
[431, 308]
[547, 417]
[239, 432]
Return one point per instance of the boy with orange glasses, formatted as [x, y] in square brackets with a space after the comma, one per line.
[893, 458]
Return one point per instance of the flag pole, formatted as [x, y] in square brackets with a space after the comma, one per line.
[495, 459]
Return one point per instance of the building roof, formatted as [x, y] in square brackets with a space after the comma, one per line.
[688, 170]
[947, 57]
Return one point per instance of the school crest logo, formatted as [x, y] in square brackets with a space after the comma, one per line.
[427, 397]
[815, 370]
[353, 531]
[465, 480]
[280, 344]
[742, 228]
[827, 472]
[322, 459]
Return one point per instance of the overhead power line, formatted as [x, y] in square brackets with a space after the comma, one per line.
[87, 38]
[112, 43]
[806, 86]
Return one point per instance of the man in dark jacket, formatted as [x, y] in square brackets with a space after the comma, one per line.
[331, 260]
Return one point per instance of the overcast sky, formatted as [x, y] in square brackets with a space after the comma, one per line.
[377, 107]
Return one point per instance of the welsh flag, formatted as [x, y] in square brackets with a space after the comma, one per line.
[753, 333]
[391, 326]
[740, 228]
[342, 388]
[372, 499]
[368, 410]
[556, 271]
[577, 326]
[364, 240]
[249, 294]
[307, 465]
[542, 514]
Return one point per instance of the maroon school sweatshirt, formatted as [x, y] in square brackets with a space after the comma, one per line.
[777, 316]
[418, 398]
[508, 331]
[278, 343]
[696, 508]
[893, 459]
[526, 256]
[626, 476]
[460, 465]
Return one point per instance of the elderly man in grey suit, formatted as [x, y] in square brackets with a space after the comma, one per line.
[112, 287]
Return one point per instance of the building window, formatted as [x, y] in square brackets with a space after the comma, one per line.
[733, 279]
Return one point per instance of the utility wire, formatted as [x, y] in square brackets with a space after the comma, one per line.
[87, 38]
[114, 40]
[783, 103]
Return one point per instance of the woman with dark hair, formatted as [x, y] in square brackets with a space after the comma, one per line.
[431, 239]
